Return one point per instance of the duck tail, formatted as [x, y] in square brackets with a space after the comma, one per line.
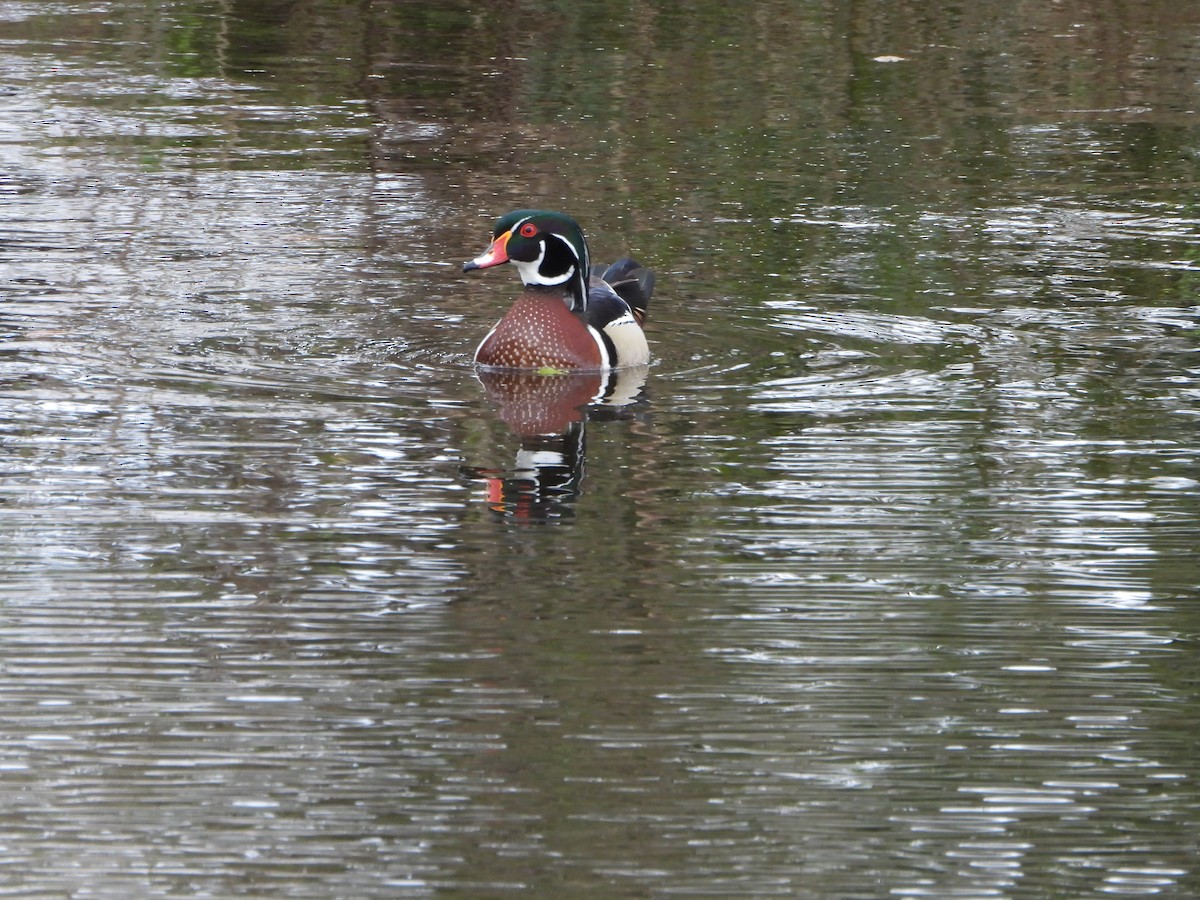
[633, 283]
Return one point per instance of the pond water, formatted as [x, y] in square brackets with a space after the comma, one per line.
[882, 580]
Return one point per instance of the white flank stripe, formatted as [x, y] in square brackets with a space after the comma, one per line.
[602, 347]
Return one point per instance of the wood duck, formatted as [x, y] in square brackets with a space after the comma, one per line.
[571, 316]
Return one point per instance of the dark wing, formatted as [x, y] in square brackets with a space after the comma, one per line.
[630, 281]
[605, 305]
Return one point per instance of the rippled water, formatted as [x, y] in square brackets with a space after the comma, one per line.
[879, 582]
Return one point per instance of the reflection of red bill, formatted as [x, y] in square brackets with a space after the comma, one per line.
[495, 492]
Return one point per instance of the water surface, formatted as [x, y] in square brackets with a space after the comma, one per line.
[882, 583]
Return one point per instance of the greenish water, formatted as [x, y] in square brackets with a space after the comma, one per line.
[882, 580]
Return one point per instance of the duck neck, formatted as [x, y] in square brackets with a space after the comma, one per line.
[560, 292]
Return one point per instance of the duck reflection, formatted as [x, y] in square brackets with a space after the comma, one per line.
[549, 413]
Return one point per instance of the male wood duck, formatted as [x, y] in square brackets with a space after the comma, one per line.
[571, 316]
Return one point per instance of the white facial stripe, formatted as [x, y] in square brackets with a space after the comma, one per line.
[568, 243]
[571, 271]
[531, 274]
[529, 270]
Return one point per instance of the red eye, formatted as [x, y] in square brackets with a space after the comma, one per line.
[528, 230]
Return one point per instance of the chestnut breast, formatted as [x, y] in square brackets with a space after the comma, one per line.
[540, 332]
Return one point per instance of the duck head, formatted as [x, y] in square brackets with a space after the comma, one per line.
[547, 248]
